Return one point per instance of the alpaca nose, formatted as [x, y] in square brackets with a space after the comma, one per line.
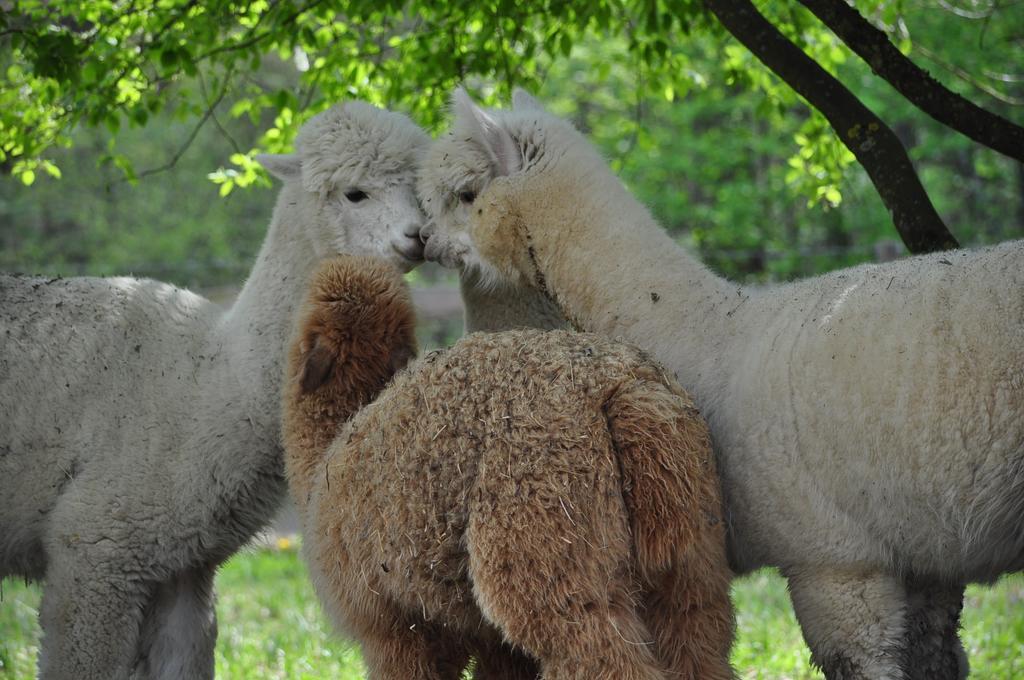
[412, 229]
[426, 231]
[405, 240]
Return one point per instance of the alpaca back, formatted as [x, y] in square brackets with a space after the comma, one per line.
[903, 381]
[496, 421]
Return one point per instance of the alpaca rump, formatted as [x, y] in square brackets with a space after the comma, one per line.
[522, 498]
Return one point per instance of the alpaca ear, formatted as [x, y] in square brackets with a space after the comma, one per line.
[316, 367]
[487, 132]
[284, 166]
[524, 101]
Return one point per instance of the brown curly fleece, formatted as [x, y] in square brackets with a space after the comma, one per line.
[357, 328]
[524, 498]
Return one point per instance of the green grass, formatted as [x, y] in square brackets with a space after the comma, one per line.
[271, 627]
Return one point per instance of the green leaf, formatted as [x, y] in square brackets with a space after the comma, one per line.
[51, 169]
[169, 58]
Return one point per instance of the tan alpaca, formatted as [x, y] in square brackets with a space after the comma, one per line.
[868, 423]
[522, 497]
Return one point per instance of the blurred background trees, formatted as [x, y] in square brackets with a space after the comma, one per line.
[149, 113]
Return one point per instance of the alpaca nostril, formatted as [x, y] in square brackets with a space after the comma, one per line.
[426, 232]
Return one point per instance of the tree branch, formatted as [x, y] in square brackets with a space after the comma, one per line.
[252, 37]
[916, 84]
[207, 115]
[875, 146]
[212, 109]
[968, 78]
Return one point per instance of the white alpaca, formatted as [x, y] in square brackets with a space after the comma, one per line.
[868, 423]
[490, 307]
[140, 425]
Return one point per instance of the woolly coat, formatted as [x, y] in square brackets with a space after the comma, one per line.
[552, 490]
[867, 423]
[140, 423]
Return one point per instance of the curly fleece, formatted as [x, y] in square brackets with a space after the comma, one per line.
[524, 498]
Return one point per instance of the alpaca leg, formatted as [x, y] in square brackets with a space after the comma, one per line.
[603, 641]
[396, 647]
[560, 596]
[90, 620]
[690, 614]
[179, 630]
[932, 648]
[854, 622]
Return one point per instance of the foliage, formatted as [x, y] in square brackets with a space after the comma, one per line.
[171, 226]
[717, 163]
[727, 156]
[271, 626]
[116, 62]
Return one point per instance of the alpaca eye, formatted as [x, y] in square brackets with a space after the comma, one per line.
[467, 196]
[356, 195]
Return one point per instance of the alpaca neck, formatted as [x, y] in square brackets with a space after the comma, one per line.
[233, 435]
[311, 423]
[324, 412]
[253, 333]
[613, 270]
[491, 309]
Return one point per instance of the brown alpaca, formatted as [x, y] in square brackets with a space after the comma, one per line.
[523, 498]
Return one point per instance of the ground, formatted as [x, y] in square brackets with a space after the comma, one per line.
[271, 626]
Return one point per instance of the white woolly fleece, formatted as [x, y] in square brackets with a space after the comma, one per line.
[140, 423]
[868, 423]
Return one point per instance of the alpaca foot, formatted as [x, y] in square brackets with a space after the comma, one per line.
[932, 648]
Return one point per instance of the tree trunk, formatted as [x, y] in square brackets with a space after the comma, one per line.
[875, 146]
[916, 84]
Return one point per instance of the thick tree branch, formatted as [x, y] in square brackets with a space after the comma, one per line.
[916, 84]
[875, 146]
[968, 77]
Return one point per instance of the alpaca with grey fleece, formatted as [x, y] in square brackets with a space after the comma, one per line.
[868, 423]
[491, 308]
[139, 423]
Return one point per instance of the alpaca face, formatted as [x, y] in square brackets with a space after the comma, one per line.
[457, 170]
[371, 218]
[352, 177]
[474, 181]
